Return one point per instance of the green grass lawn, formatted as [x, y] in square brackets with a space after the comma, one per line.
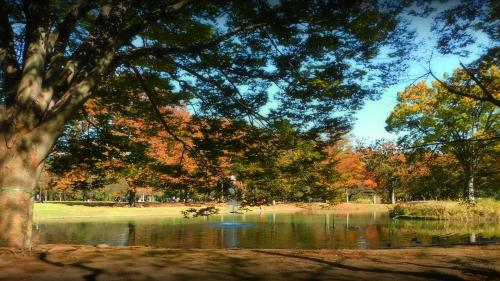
[52, 211]
[44, 211]
[488, 209]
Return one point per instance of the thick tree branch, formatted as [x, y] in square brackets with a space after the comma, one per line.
[47, 132]
[8, 59]
[92, 56]
[88, 64]
[458, 92]
[110, 32]
[58, 40]
[52, 124]
[472, 140]
[489, 96]
[30, 98]
[80, 91]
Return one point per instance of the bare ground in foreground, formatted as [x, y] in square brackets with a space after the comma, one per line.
[67, 262]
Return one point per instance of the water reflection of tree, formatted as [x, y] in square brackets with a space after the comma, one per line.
[131, 239]
[278, 231]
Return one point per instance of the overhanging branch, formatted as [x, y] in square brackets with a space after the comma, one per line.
[162, 52]
[489, 96]
[152, 100]
[437, 143]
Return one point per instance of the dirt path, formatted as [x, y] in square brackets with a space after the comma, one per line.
[64, 262]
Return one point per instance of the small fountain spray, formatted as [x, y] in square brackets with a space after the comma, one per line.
[233, 202]
[233, 207]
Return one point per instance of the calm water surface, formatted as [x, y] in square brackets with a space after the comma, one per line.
[270, 230]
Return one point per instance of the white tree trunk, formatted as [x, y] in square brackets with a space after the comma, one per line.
[393, 194]
[470, 190]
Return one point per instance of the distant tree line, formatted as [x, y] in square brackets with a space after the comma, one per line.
[448, 149]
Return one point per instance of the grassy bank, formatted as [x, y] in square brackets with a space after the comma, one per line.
[44, 211]
[485, 209]
[74, 262]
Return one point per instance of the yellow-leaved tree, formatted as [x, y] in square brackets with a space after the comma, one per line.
[434, 118]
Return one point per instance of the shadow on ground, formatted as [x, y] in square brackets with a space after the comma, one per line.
[52, 262]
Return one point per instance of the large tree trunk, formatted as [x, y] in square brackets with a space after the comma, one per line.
[42, 94]
[22, 154]
[19, 172]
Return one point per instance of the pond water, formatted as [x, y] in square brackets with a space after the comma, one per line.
[270, 230]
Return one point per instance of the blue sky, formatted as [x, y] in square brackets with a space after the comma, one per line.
[370, 120]
[370, 123]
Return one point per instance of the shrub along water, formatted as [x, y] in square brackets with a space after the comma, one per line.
[484, 209]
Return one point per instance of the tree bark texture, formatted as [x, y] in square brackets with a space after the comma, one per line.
[19, 172]
[44, 86]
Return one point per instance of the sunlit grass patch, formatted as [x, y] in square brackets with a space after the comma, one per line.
[50, 210]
